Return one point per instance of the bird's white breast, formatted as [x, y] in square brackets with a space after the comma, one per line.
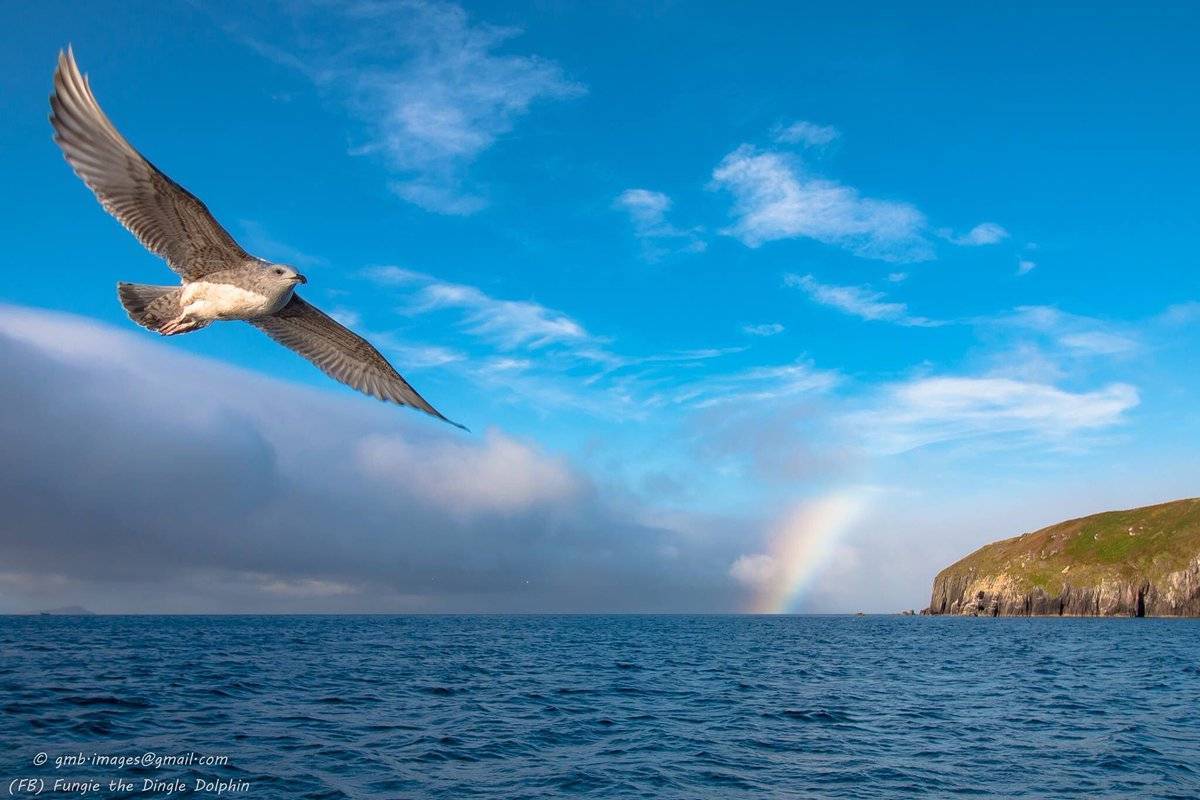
[204, 300]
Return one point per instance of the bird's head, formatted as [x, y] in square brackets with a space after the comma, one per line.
[281, 273]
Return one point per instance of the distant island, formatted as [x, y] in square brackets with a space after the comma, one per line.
[1144, 562]
[65, 611]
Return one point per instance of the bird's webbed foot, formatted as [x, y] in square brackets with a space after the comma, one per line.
[181, 324]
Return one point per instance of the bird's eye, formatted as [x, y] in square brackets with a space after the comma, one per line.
[278, 272]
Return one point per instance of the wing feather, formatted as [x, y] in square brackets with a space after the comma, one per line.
[166, 218]
[341, 354]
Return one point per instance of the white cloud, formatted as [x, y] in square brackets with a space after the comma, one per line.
[506, 364]
[347, 316]
[756, 385]
[648, 212]
[1075, 334]
[1028, 361]
[1047, 345]
[1045, 319]
[858, 301]
[415, 356]
[765, 329]
[428, 84]
[509, 324]
[394, 276]
[775, 198]
[983, 234]
[503, 475]
[806, 133]
[1025, 265]
[440, 193]
[756, 570]
[1180, 314]
[305, 587]
[327, 501]
[1100, 343]
[646, 208]
[936, 409]
[573, 368]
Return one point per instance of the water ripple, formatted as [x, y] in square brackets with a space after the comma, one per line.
[616, 707]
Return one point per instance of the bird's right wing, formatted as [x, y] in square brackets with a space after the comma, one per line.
[341, 354]
[164, 216]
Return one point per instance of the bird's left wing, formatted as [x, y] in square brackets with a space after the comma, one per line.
[166, 218]
[341, 354]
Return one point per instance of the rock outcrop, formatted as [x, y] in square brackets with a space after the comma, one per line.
[1141, 562]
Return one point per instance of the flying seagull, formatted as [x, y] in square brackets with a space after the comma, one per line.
[220, 280]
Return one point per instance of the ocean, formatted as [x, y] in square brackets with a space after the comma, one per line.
[599, 706]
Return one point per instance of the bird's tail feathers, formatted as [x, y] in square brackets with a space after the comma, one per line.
[150, 306]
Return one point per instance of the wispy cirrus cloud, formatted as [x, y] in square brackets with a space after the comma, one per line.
[429, 84]
[1178, 314]
[984, 233]
[929, 410]
[412, 355]
[765, 329]
[757, 385]
[647, 212]
[1100, 343]
[1047, 344]
[806, 133]
[1074, 333]
[523, 324]
[858, 301]
[541, 354]
[509, 324]
[546, 357]
[776, 197]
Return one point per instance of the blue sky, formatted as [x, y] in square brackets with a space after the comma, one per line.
[850, 292]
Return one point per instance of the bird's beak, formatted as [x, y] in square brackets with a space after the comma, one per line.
[301, 279]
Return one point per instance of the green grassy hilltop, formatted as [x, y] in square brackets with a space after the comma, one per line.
[1141, 552]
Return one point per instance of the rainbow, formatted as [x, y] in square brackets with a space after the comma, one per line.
[800, 546]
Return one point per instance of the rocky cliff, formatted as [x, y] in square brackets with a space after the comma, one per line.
[1140, 562]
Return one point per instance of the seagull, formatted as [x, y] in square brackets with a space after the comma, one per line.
[219, 280]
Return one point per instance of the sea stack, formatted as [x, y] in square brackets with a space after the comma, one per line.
[1134, 563]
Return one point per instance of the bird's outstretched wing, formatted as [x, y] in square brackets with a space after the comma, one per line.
[164, 216]
[341, 354]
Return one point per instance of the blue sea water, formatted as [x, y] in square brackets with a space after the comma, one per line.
[605, 706]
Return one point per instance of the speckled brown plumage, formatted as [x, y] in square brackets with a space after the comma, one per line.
[220, 280]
